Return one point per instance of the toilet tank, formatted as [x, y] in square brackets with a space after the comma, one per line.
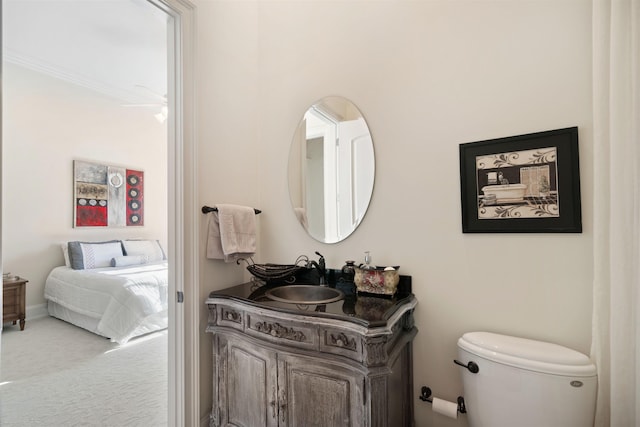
[525, 383]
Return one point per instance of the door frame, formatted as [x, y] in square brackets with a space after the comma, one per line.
[183, 354]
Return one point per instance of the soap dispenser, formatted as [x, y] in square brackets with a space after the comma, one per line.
[367, 262]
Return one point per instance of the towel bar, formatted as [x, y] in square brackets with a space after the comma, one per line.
[207, 209]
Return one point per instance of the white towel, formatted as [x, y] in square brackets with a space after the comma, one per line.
[232, 233]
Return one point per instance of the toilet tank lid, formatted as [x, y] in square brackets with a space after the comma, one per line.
[527, 354]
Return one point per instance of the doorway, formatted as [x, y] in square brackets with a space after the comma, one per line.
[180, 235]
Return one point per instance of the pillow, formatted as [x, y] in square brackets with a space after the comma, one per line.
[87, 255]
[150, 250]
[65, 253]
[125, 261]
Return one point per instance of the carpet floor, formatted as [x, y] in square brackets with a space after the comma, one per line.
[55, 374]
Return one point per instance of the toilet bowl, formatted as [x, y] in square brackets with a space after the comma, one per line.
[525, 383]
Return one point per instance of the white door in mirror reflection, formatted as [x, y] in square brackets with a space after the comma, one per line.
[331, 170]
[355, 160]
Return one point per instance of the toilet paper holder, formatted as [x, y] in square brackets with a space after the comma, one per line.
[425, 396]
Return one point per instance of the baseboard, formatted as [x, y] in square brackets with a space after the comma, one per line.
[36, 311]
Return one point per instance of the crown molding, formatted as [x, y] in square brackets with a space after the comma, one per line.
[77, 79]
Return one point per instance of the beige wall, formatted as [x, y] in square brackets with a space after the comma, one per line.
[47, 123]
[427, 75]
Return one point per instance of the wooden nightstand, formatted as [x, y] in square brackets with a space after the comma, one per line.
[13, 296]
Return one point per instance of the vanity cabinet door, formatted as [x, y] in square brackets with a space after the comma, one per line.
[247, 389]
[318, 393]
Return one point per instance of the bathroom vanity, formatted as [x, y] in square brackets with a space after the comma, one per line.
[343, 363]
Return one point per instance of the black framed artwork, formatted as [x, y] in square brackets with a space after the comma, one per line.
[522, 184]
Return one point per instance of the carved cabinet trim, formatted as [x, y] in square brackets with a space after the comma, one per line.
[276, 330]
[282, 331]
[230, 315]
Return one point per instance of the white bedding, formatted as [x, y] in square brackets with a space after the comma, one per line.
[124, 301]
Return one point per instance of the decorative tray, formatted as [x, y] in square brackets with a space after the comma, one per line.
[269, 271]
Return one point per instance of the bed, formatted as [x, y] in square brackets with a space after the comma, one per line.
[119, 302]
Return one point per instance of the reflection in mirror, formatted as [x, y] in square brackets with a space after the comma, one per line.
[331, 169]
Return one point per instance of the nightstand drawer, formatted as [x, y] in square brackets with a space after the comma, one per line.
[10, 302]
[13, 301]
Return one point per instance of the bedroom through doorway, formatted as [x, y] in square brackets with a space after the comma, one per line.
[83, 87]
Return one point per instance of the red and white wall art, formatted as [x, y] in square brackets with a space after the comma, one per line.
[107, 196]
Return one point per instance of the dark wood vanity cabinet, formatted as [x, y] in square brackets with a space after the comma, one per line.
[276, 368]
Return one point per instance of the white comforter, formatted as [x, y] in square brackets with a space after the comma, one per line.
[120, 298]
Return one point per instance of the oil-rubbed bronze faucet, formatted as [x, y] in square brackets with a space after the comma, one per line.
[320, 266]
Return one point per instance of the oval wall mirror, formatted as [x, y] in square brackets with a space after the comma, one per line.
[331, 169]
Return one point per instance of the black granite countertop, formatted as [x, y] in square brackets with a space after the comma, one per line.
[366, 309]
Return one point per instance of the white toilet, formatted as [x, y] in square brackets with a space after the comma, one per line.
[525, 383]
